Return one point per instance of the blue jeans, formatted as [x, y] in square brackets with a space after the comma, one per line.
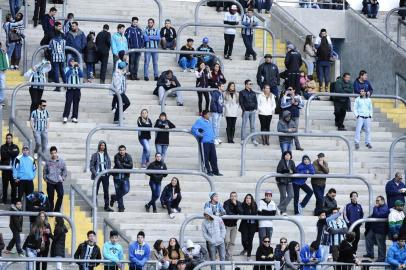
[161, 92]
[58, 68]
[323, 71]
[122, 187]
[296, 193]
[2, 85]
[366, 123]
[30, 253]
[286, 146]
[248, 116]
[89, 70]
[147, 58]
[41, 140]
[145, 151]
[215, 120]
[263, 232]
[221, 249]
[372, 10]
[15, 6]
[264, 4]
[319, 195]
[248, 39]
[14, 52]
[155, 193]
[161, 148]
[310, 68]
[185, 63]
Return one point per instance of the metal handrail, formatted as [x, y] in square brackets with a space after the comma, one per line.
[182, 89]
[108, 223]
[391, 153]
[243, 217]
[365, 220]
[68, 48]
[75, 189]
[219, 25]
[5, 168]
[49, 214]
[390, 12]
[295, 21]
[345, 176]
[317, 135]
[127, 128]
[141, 171]
[313, 96]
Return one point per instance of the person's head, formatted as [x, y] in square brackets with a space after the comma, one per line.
[250, 12]
[122, 149]
[70, 16]
[233, 9]
[159, 245]
[399, 205]
[249, 199]
[306, 160]
[323, 32]
[220, 86]
[59, 222]
[91, 36]
[287, 155]
[189, 42]
[53, 11]
[42, 216]
[168, 23]
[162, 116]
[216, 67]
[54, 152]
[302, 74]
[322, 215]
[102, 146]
[158, 157]
[26, 150]
[290, 47]
[290, 91]
[121, 28]
[266, 89]
[314, 246]
[233, 196]
[363, 75]
[362, 93]
[350, 237]
[293, 247]
[401, 242]
[354, 196]
[346, 77]
[266, 241]
[134, 21]
[202, 66]
[151, 22]
[398, 176]
[231, 87]
[18, 204]
[58, 27]
[144, 113]
[206, 114]
[173, 244]
[169, 74]
[71, 62]
[75, 26]
[380, 200]
[320, 157]
[140, 237]
[283, 241]
[268, 195]
[9, 18]
[332, 193]
[248, 84]
[42, 104]
[205, 41]
[91, 237]
[214, 197]
[309, 40]
[9, 138]
[106, 27]
[114, 237]
[208, 214]
[19, 16]
[175, 182]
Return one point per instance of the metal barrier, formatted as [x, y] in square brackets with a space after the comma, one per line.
[387, 17]
[313, 96]
[218, 25]
[397, 86]
[140, 171]
[345, 176]
[49, 214]
[108, 223]
[128, 128]
[365, 220]
[67, 48]
[391, 153]
[242, 217]
[75, 189]
[317, 135]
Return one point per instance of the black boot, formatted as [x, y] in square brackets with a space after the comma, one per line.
[228, 131]
[232, 132]
[267, 139]
[263, 137]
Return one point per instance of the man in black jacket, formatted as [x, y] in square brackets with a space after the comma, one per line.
[343, 85]
[249, 105]
[155, 181]
[9, 151]
[88, 250]
[103, 44]
[16, 227]
[268, 73]
[232, 207]
[122, 160]
[293, 62]
[165, 82]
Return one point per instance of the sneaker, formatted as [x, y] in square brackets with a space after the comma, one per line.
[218, 174]
[210, 174]
[185, 70]
[156, 78]
[147, 208]
[242, 253]
[299, 148]
[254, 142]
[6, 251]
[16, 67]
[179, 209]
[108, 209]
[357, 146]
[21, 255]
[229, 57]
[254, 58]
[154, 211]
[12, 67]
[172, 215]
[278, 212]
[65, 120]
[74, 120]
[192, 70]
[220, 141]
[216, 142]
[121, 210]
[179, 104]
[226, 57]
[174, 210]
[284, 214]
[143, 165]
[146, 79]
[112, 200]
[300, 209]
[57, 89]
[369, 146]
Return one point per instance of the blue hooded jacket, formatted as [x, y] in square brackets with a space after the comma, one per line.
[396, 256]
[302, 168]
[138, 254]
[24, 168]
[216, 102]
[112, 252]
[306, 255]
[203, 129]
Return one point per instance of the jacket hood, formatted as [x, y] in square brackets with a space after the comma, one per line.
[105, 144]
[286, 114]
[209, 212]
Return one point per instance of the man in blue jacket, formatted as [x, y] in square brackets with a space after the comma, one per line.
[135, 40]
[118, 43]
[310, 254]
[353, 212]
[203, 131]
[24, 169]
[397, 255]
[395, 190]
[76, 39]
[138, 252]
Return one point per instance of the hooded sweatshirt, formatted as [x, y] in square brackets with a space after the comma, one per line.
[266, 209]
[55, 171]
[118, 43]
[395, 219]
[213, 230]
[302, 168]
[284, 124]
[138, 254]
[112, 252]
[396, 256]
[99, 161]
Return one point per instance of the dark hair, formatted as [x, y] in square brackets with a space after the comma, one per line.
[232, 192]
[381, 197]
[266, 85]
[335, 208]
[314, 245]
[292, 251]
[134, 19]
[60, 225]
[17, 200]
[113, 233]
[53, 148]
[287, 152]
[332, 190]
[52, 9]
[309, 40]
[9, 134]
[346, 74]
[106, 27]
[250, 9]
[177, 187]
[190, 40]
[57, 23]
[42, 101]
[246, 82]
[362, 73]
[352, 193]
[169, 71]
[76, 23]
[90, 232]
[219, 84]
[150, 19]
[176, 248]
[157, 244]
[121, 147]
[162, 114]
[229, 86]
[70, 15]
[119, 26]
[253, 206]
[205, 112]
[141, 233]
[350, 237]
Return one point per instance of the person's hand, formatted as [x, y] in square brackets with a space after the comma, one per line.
[47, 231]
[296, 103]
[190, 257]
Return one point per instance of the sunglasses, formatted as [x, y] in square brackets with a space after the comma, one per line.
[267, 241]
[283, 242]
[43, 105]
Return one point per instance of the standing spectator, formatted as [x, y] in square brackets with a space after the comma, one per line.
[24, 170]
[362, 83]
[324, 52]
[293, 62]
[215, 205]
[264, 254]
[155, 181]
[204, 47]
[292, 256]
[343, 85]
[347, 252]
[74, 75]
[280, 250]
[337, 229]
[39, 11]
[202, 129]
[120, 84]
[216, 109]
[266, 207]
[175, 253]
[305, 167]
[160, 254]
[214, 233]
[99, 162]
[310, 54]
[103, 44]
[135, 41]
[194, 254]
[144, 136]
[311, 254]
[118, 43]
[203, 75]
[168, 36]
[249, 21]
[248, 227]
[162, 138]
[16, 227]
[90, 58]
[32, 244]
[322, 33]
[55, 174]
[397, 255]
[138, 252]
[36, 202]
[48, 24]
[395, 190]
[402, 12]
[113, 251]
[40, 125]
[167, 80]
[36, 74]
[45, 234]
[67, 24]
[329, 201]
[171, 197]
[249, 106]
[57, 46]
[9, 152]
[376, 232]
[122, 160]
[76, 39]
[231, 18]
[353, 212]
[232, 207]
[319, 184]
[58, 242]
[395, 219]
[266, 108]
[286, 166]
[217, 76]
[363, 111]
[323, 236]
[293, 102]
[268, 74]
[231, 104]
[151, 39]
[263, 4]
[286, 125]
[88, 250]
[188, 61]
[14, 35]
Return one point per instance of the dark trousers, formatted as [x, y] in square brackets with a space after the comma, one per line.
[36, 95]
[25, 187]
[122, 187]
[126, 104]
[174, 204]
[319, 195]
[247, 39]
[246, 240]
[105, 181]
[134, 63]
[42, 253]
[16, 240]
[210, 157]
[294, 80]
[230, 128]
[72, 97]
[8, 178]
[39, 10]
[51, 188]
[104, 59]
[58, 69]
[340, 110]
[155, 192]
[200, 100]
[265, 121]
[357, 236]
[135, 268]
[296, 193]
[379, 239]
[231, 122]
[228, 44]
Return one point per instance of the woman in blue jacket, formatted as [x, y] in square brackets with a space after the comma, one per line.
[305, 167]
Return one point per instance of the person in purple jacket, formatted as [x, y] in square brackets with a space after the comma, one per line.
[362, 83]
[353, 212]
[305, 167]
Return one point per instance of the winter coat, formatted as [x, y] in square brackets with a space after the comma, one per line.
[323, 52]
[262, 250]
[157, 165]
[199, 254]
[81, 253]
[393, 193]
[286, 104]
[284, 126]
[323, 236]
[91, 52]
[395, 220]
[163, 137]
[165, 83]
[202, 78]
[231, 104]
[16, 222]
[279, 253]
[310, 53]
[320, 169]
[342, 87]
[289, 262]
[352, 212]
[33, 240]
[138, 254]
[266, 209]
[306, 255]
[303, 169]
[202, 129]
[58, 243]
[232, 209]
[346, 252]
[167, 194]
[216, 78]
[366, 85]
[217, 209]
[147, 124]
[268, 73]
[216, 102]
[248, 225]
[24, 168]
[122, 162]
[214, 231]
[118, 43]
[266, 105]
[381, 227]
[285, 168]
[329, 204]
[363, 107]
[76, 40]
[134, 37]
[248, 100]
[8, 153]
[396, 256]
[55, 171]
[103, 42]
[293, 61]
[95, 161]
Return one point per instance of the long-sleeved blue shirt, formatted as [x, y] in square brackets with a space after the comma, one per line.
[366, 85]
[396, 256]
[353, 212]
[24, 168]
[393, 193]
[112, 252]
[138, 254]
[303, 169]
[203, 129]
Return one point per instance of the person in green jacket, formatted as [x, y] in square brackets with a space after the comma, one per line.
[3, 67]
[343, 85]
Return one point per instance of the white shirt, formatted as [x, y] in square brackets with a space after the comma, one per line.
[271, 206]
[266, 105]
[231, 18]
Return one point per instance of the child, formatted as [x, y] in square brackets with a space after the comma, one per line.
[216, 108]
[73, 75]
[113, 251]
[3, 67]
[90, 56]
[58, 243]
[120, 83]
[303, 80]
[36, 74]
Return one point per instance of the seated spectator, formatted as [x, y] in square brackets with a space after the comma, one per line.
[286, 166]
[171, 197]
[162, 138]
[370, 8]
[395, 219]
[165, 82]
[168, 36]
[305, 167]
[266, 207]
[204, 47]
[36, 202]
[311, 254]
[362, 83]
[188, 61]
[286, 125]
[88, 250]
[113, 251]
[175, 253]
[160, 254]
[395, 190]
[310, 88]
[264, 254]
[347, 252]
[329, 201]
[292, 256]
[337, 229]
[280, 250]
[303, 80]
[138, 252]
[217, 76]
[248, 227]
[353, 212]
[397, 255]
[194, 254]
[215, 205]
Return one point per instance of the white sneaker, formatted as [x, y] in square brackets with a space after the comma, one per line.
[12, 67]
[16, 67]
[74, 120]
[216, 142]
[65, 120]
[185, 70]
[300, 209]
[254, 142]
[278, 212]
[172, 215]
[174, 210]
[192, 70]
[220, 141]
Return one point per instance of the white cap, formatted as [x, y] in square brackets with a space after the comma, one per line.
[234, 7]
[189, 244]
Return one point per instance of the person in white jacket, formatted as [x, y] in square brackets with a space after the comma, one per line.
[363, 111]
[266, 207]
[231, 110]
[266, 108]
[231, 18]
[214, 232]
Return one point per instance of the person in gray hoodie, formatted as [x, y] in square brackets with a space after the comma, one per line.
[214, 232]
[100, 161]
[286, 125]
[55, 174]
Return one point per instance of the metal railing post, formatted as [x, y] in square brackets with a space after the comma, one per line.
[388, 15]
[72, 204]
[391, 153]
[39, 172]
